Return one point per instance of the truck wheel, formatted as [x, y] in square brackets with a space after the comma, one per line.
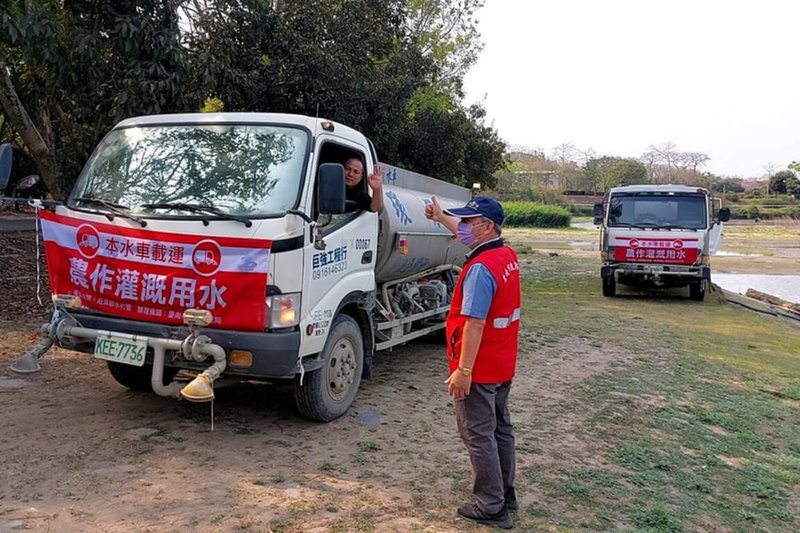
[697, 290]
[609, 286]
[326, 394]
[138, 377]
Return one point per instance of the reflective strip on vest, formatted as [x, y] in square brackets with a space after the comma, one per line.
[503, 323]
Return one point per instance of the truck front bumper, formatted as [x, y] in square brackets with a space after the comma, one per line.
[275, 354]
[649, 270]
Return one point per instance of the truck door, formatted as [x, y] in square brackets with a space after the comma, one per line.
[715, 227]
[344, 268]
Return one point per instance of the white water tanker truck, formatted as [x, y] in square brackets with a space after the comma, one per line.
[223, 245]
[658, 236]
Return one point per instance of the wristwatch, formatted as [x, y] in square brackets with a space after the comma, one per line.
[465, 371]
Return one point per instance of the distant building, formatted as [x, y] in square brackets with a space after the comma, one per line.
[750, 184]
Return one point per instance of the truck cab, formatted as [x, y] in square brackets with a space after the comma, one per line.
[658, 236]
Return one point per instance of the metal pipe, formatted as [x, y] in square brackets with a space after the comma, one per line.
[157, 378]
[29, 362]
[202, 347]
[201, 388]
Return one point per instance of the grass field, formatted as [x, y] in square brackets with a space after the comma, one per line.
[698, 430]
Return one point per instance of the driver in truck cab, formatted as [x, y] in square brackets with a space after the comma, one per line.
[353, 176]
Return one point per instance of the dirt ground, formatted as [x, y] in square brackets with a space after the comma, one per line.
[81, 453]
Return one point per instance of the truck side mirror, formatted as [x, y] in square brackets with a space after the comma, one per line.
[724, 214]
[27, 182]
[5, 164]
[598, 214]
[330, 189]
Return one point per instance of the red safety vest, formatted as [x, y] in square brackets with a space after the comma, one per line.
[497, 354]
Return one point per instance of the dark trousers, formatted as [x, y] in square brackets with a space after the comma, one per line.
[484, 424]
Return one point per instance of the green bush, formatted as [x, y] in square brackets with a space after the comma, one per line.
[548, 195]
[581, 210]
[749, 211]
[783, 199]
[779, 212]
[529, 214]
[753, 212]
[732, 196]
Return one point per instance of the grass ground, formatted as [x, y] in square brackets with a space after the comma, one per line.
[698, 431]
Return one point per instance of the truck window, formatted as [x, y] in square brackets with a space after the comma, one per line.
[657, 211]
[335, 153]
[254, 170]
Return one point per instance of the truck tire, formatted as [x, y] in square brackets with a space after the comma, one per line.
[609, 286]
[697, 290]
[327, 393]
[138, 377]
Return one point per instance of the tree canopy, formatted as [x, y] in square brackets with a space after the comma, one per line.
[390, 68]
[668, 164]
[784, 182]
[606, 172]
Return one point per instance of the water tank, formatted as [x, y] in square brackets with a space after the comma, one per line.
[407, 241]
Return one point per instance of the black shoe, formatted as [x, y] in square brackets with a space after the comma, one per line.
[511, 499]
[499, 519]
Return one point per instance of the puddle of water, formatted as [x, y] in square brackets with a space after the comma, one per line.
[584, 225]
[560, 245]
[784, 287]
[737, 254]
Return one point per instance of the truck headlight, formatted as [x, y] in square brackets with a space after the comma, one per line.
[283, 310]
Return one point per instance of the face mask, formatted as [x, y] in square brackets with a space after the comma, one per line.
[464, 234]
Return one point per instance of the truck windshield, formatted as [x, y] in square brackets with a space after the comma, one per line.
[179, 170]
[658, 211]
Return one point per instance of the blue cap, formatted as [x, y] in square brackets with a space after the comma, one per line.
[480, 206]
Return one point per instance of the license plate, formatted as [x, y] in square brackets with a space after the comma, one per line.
[120, 349]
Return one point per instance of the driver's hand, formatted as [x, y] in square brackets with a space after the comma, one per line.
[375, 179]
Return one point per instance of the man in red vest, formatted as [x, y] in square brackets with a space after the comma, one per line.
[482, 338]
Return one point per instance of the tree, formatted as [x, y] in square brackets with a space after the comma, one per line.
[725, 185]
[69, 70]
[445, 32]
[465, 151]
[667, 164]
[585, 155]
[607, 171]
[565, 153]
[793, 188]
[625, 172]
[782, 182]
[384, 67]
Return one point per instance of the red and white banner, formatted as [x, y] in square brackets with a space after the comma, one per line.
[155, 276]
[638, 250]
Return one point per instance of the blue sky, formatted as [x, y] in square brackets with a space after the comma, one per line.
[709, 76]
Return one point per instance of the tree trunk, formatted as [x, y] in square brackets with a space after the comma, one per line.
[31, 138]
